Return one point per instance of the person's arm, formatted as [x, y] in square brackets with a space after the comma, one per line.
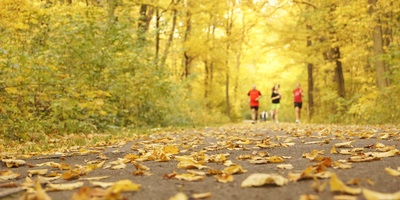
[259, 96]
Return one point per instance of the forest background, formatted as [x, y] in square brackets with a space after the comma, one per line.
[81, 66]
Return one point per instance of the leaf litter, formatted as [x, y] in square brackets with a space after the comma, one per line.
[213, 160]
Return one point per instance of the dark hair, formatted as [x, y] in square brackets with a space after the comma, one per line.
[273, 88]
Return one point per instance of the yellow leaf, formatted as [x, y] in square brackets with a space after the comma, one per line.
[35, 193]
[65, 186]
[102, 184]
[284, 166]
[179, 196]
[171, 149]
[8, 175]
[344, 144]
[13, 163]
[201, 195]
[259, 179]
[37, 172]
[392, 172]
[309, 197]
[189, 177]
[338, 186]
[234, 169]
[275, 159]
[124, 186]
[224, 178]
[372, 195]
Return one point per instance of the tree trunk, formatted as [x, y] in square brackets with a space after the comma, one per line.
[380, 65]
[158, 16]
[310, 69]
[144, 21]
[339, 78]
[171, 35]
[187, 58]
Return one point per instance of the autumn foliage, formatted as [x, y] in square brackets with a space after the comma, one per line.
[93, 66]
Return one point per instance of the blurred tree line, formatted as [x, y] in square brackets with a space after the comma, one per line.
[70, 66]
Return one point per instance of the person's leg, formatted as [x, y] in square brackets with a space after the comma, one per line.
[253, 113]
[276, 115]
[297, 113]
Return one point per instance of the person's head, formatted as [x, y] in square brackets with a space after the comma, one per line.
[298, 85]
[253, 86]
[276, 87]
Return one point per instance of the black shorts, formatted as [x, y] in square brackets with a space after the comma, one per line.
[254, 107]
[298, 104]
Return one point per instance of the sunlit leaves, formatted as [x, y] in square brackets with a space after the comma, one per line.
[13, 163]
[259, 179]
[8, 175]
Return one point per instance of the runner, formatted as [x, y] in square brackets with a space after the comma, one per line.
[275, 97]
[298, 102]
[254, 96]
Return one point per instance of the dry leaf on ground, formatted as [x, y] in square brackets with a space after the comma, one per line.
[338, 186]
[392, 172]
[259, 179]
[372, 195]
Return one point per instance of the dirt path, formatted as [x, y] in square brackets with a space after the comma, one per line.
[242, 144]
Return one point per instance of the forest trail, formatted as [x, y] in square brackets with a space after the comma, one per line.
[291, 161]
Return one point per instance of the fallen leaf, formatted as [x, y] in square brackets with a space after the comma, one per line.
[13, 163]
[94, 178]
[340, 165]
[224, 178]
[65, 186]
[372, 195]
[201, 195]
[344, 144]
[344, 197]
[392, 172]
[102, 184]
[124, 186]
[8, 175]
[189, 177]
[37, 172]
[9, 185]
[309, 197]
[338, 186]
[275, 159]
[179, 196]
[319, 187]
[35, 193]
[284, 166]
[234, 169]
[259, 179]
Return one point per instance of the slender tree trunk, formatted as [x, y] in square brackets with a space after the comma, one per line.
[171, 35]
[339, 78]
[158, 16]
[144, 21]
[206, 75]
[187, 58]
[310, 68]
[380, 65]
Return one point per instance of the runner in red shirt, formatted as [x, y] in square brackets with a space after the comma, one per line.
[298, 102]
[254, 96]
